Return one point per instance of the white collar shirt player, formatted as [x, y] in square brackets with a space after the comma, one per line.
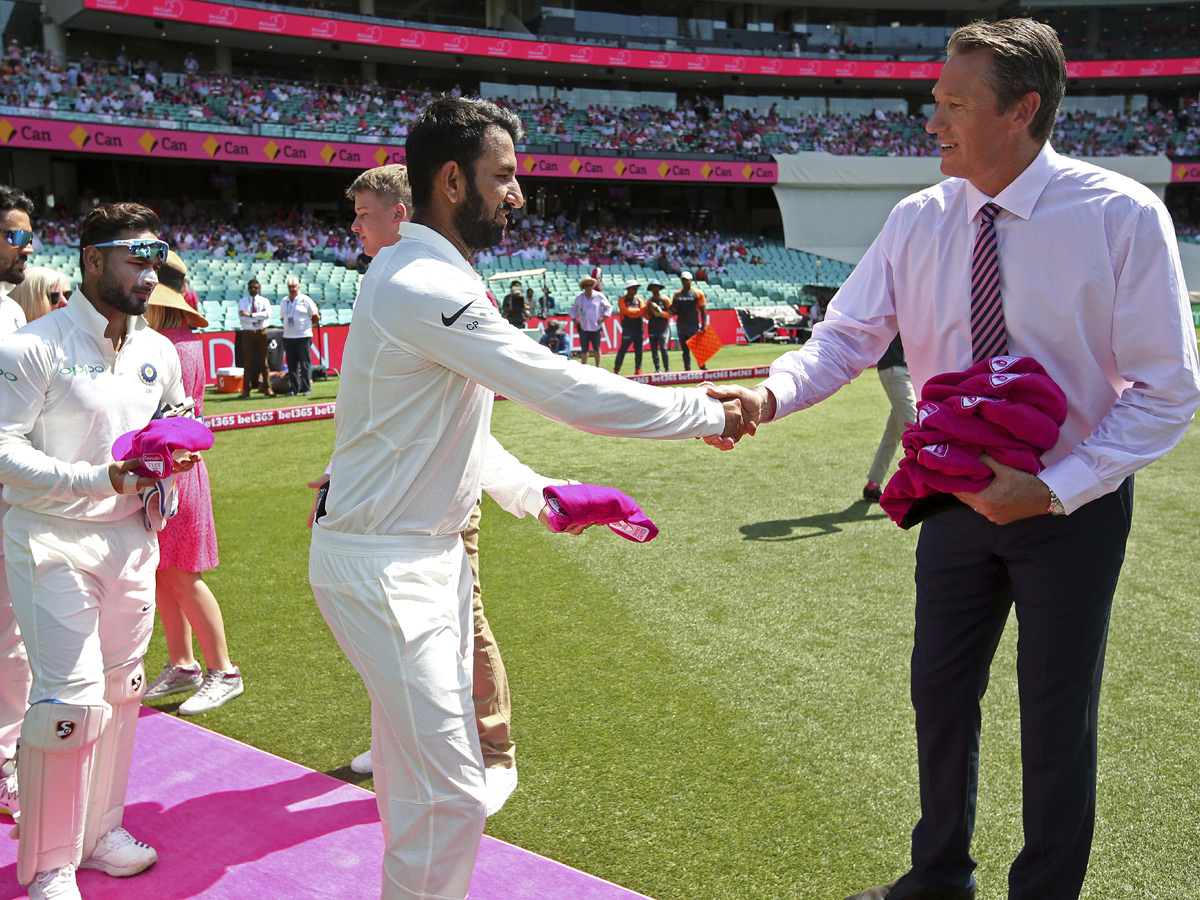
[1092, 289]
[297, 316]
[65, 396]
[254, 312]
[424, 354]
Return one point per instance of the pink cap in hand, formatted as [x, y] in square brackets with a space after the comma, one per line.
[154, 443]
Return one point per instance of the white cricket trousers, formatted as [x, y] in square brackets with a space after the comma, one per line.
[400, 607]
[899, 389]
[14, 667]
[83, 593]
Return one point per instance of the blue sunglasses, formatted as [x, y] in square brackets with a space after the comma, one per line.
[143, 248]
[19, 237]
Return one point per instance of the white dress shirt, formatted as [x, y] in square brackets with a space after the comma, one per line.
[591, 311]
[254, 313]
[425, 351]
[1092, 289]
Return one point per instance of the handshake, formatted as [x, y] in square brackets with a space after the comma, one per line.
[744, 409]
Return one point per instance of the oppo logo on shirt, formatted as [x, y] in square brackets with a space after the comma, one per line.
[81, 370]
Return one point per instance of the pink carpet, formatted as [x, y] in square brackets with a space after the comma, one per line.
[233, 823]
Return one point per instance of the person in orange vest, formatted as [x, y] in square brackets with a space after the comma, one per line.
[632, 309]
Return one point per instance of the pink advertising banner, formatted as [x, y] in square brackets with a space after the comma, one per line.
[90, 137]
[1185, 172]
[303, 24]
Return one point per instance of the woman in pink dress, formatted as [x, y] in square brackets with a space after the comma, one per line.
[188, 544]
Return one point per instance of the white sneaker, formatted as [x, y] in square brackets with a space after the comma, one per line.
[119, 853]
[9, 799]
[361, 764]
[173, 680]
[57, 884]
[498, 783]
[217, 689]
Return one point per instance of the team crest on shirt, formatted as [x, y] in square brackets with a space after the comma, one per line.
[147, 373]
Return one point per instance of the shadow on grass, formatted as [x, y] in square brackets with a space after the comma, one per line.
[809, 526]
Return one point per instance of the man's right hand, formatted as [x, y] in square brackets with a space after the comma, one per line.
[117, 471]
[316, 485]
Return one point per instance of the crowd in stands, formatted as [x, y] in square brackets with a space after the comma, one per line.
[592, 237]
[138, 89]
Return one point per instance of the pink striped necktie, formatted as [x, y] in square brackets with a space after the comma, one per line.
[988, 337]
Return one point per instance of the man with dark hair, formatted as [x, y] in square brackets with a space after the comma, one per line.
[424, 354]
[514, 306]
[16, 230]
[254, 315]
[1021, 252]
[80, 558]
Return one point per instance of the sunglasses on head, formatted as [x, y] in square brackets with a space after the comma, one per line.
[19, 237]
[141, 248]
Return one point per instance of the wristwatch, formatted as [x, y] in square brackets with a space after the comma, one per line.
[1055, 508]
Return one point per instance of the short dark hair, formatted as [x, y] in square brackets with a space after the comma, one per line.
[108, 221]
[1026, 56]
[11, 198]
[452, 129]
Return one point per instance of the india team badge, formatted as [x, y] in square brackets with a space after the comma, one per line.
[147, 373]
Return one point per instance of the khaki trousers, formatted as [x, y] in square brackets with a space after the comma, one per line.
[493, 704]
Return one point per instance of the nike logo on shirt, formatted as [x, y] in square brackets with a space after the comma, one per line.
[450, 320]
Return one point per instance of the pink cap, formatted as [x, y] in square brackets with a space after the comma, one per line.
[595, 504]
[154, 443]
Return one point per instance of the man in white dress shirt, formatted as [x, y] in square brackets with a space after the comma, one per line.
[425, 352]
[1092, 288]
[299, 313]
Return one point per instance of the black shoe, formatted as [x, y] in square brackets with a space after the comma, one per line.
[902, 890]
[872, 495]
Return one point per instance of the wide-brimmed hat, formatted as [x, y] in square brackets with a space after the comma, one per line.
[169, 291]
[632, 282]
[654, 282]
[587, 281]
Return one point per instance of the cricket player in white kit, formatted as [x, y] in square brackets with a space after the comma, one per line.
[80, 560]
[425, 352]
[16, 246]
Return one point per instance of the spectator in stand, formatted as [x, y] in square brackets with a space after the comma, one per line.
[690, 315]
[42, 290]
[658, 324]
[589, 312]
[254, 313]
[299, 313]
[632, 310]
[188, 543]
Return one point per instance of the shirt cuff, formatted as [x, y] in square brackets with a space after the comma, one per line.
[98, 484]
[783, 387]
[1073, 482]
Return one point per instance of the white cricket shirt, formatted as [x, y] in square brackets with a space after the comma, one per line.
[65, 396]
[425, 351]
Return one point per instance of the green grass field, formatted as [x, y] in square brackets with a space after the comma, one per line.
[723, 714]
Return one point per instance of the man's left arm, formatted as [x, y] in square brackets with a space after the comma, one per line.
[1154, 351]
[701, 310]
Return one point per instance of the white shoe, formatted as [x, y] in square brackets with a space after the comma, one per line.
[57, 884]
[9, 799]
[119, 853]
[173, 680]
[498, 783]
[217, 689]
[361, 763]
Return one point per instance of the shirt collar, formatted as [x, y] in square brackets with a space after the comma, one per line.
[439, 244]
[89, 320]
[1021, 195]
